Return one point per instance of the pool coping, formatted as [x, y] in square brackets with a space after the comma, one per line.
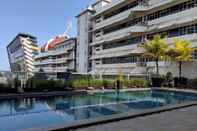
[122, 116]
[60, 93]
[41, 94]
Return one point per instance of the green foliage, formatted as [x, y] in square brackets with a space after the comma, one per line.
[120, 76]
[96, 83]
[169, 77]
[42, 84]
[156, 49]
[136, 83]
[181, 52]
[80, 84]
[108, 83]
[193, 83]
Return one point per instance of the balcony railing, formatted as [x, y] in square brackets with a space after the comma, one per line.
[117, 49]
[173, 20]
[51, 61]
[52, 69]
[139, 28]
[119, 17]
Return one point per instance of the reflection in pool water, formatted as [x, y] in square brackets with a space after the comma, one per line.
[17, 114]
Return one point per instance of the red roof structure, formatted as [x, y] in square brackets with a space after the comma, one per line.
[53, 42]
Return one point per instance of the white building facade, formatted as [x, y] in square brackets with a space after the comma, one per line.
[84, 36]
[119, 27]
[21, 53]
[57, 56]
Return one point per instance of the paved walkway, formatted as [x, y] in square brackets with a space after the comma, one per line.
[178, 120]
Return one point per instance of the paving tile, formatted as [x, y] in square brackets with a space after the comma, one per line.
[178, 120]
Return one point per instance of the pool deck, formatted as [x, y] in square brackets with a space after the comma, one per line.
[184, 119]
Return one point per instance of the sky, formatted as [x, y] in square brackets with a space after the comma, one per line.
[41, 18]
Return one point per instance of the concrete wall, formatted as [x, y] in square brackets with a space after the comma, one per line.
[83, 42]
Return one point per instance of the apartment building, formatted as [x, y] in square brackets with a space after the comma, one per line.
[119, 27]
[84, 36]
[21, 52]
[57, 57]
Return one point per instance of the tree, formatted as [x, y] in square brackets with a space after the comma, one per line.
[156, 49]
[181, 51]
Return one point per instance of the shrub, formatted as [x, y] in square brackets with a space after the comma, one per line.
[96, 84]
[157, 81]
[193, 83]
[80, 84]
[180, 82]
[168, 79]
[59, 84]
[108, 84]
[136, 83]
[140, 83]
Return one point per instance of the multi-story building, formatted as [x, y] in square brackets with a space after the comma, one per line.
[57, 56]
[119, 27]
[84, 36]
[21, 53]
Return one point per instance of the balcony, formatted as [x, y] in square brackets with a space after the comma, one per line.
[108, 55]
[139, 28]
[125, 65]
[190, 37]
[110, 6]
[45, 62]
[119, 17]
[52, 69]
[61, 60]
[161, 64]
[173, 20]
[51, 61]
[112, 69]
[117, 49]
[51, 53]
[152, 5]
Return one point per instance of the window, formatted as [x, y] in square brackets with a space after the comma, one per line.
[130, 41]
[117, 60]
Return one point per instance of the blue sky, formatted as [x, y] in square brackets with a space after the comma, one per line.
[41, 18]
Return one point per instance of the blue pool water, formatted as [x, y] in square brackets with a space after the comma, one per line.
[21, 114]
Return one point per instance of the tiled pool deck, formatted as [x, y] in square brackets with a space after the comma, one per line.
[184, 119]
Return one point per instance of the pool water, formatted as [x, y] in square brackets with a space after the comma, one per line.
[21, 114]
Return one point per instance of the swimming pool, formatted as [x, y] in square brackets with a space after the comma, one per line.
[25, 113]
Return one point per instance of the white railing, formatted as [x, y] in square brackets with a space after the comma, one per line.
[52, 69]
[174, 19]
[122, 33]
[51, 53]
[125, 65]
[51, 61]
[119, 17]
[117, 49]
[99, 11]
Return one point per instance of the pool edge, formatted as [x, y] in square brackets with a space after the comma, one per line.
[114, 118]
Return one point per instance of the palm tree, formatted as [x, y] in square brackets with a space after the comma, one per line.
[156, 49]
[181, 52]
